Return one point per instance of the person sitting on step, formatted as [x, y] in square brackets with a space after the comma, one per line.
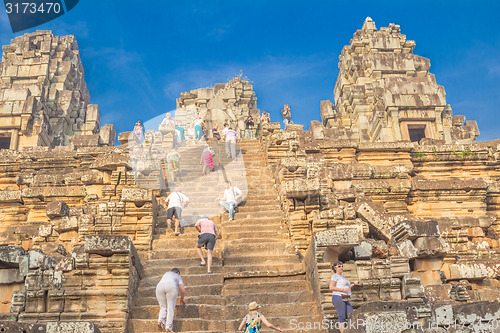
[232, 198]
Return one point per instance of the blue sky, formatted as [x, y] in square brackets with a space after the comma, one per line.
[140, 55]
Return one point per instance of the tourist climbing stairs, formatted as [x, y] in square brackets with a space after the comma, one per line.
[254, 261]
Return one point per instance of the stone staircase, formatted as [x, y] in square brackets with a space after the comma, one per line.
[254, 261]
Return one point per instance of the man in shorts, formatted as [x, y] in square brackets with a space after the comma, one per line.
[208, 234]
[175, 201]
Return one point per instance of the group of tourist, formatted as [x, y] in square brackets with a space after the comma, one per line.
[171, 282]
[168, 287]
[197, 130]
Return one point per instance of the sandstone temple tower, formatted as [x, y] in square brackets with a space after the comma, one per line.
[43, 96]
[385, 93]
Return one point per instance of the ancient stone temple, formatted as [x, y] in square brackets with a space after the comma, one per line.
[413, 215]
[44, 99]
[230, 103]
[385, 93]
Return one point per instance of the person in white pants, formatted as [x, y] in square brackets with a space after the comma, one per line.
[166, 294]
[231, 139]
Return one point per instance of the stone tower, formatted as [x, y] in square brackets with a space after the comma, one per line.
[43, 96]
[230, 102]
[385, 93]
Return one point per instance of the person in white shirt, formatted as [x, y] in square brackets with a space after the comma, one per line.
[341, 293]
[175, 201]
[232, 198]
[166, 294]
[231, 138]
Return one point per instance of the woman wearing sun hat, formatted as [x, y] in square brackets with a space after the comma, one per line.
[341, 293]
[253, 320]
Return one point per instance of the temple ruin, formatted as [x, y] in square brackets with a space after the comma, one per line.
[390, 182]
[44, 99]
[230, 103]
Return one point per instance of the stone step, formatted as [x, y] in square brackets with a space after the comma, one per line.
[259, 288]
[258, 220]
[183, 253]
[261, 234]
[276, 239]
[283, 321]
[193, 325]
[190, 299]
[180, 325]
[181, 263]
[288, 296]
[208, 311]
[264, 270]
[189, 279]
[248, 228]
[159, 270]
[264, 250]
[246, 205]
[209, 289]
[187, 241]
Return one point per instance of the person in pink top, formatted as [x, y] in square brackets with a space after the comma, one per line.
[208, 234]
[207, 159]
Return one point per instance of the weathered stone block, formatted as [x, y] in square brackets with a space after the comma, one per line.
[35, 301]
[342, 236]
[10, 196]
[18, 301]
[363, 250]
[414, 229]
[11, 275]
[37, 259]
[443, 314]
[85, 140]
[10, 255]
[57, 208]
[376, 220]
[107, 245]
[412, 287]
[136, 195]
[467, 271]
[66, 224]
[431, 247]
[399, 266]
[75, 327]
[107, 135]
[406, 249]
[438, 293]
[55, 301]
[111, 161]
